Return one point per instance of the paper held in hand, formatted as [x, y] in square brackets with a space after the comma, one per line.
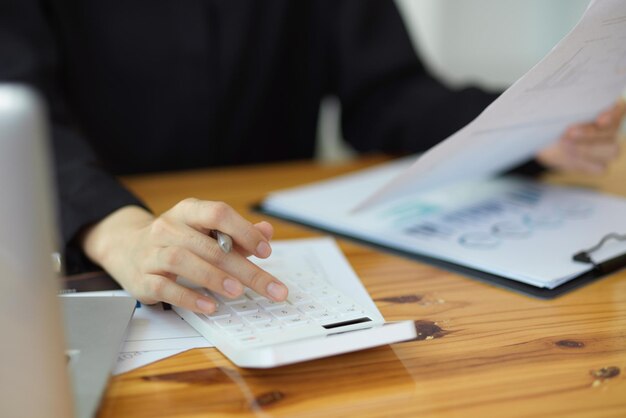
[583, 75]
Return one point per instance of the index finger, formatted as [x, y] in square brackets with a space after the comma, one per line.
[249, 274]
[265, 228]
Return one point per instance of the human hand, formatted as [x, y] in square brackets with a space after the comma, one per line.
[146, 254]
[587, 147]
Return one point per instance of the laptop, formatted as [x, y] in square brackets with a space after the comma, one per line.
[56, 353]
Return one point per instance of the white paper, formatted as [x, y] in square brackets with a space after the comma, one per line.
[131, 360]
[582, 76]
[154, 334]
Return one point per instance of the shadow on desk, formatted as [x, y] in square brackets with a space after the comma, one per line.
[89, 282]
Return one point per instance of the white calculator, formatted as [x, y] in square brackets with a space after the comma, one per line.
[327, 312]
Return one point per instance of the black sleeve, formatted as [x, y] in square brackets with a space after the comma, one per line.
[389, 100]
[87, 193]
[531, 168]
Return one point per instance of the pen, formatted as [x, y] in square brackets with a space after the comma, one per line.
[224, 241]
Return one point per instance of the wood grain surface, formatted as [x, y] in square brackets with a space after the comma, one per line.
[481, 351]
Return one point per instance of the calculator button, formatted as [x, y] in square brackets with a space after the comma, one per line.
[296, 297]
[296, 321]
[258, 317]
[245, 307]
[310, 307]
[229, 301]
[285, 312]
[322, 316]
[233, 322]
[238, 331]
[267, 326]
[351, 309]
[222, 312]
[308, 285]
[302, 276]
[270, 304]
[339, 303]
[251, 294]
[324, 292]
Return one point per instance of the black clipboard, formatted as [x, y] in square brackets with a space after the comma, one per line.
[598, 271]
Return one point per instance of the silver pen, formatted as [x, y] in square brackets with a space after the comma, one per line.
[224, 241]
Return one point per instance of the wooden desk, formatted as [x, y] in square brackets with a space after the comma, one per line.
[482, 351]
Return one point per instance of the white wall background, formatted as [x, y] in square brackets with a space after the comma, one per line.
[486, 42]
[491, 42]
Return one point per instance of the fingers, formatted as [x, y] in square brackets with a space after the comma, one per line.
[603, 129]
[179, 261]
[590, 133]
[184, 251]
[217, 271]
[578, 158]
[170, 262]
[265, 228]
[588, 147]
[204, 216]
[600, 154]
[252, 276]
[161, 288]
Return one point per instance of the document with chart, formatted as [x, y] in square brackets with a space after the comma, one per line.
[510, 227]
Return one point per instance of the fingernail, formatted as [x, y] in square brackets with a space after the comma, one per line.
[205, 306]
[263, 249]
[277, 291]
[233, 287]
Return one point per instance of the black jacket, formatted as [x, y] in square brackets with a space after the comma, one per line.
[137, 86]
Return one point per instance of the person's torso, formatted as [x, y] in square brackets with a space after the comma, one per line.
[159, 85]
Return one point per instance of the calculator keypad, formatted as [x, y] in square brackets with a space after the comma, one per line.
[311, 303]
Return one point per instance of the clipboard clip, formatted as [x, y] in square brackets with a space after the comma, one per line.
[607, 266]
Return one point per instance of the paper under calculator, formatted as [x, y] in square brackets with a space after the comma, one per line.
[328, 311]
